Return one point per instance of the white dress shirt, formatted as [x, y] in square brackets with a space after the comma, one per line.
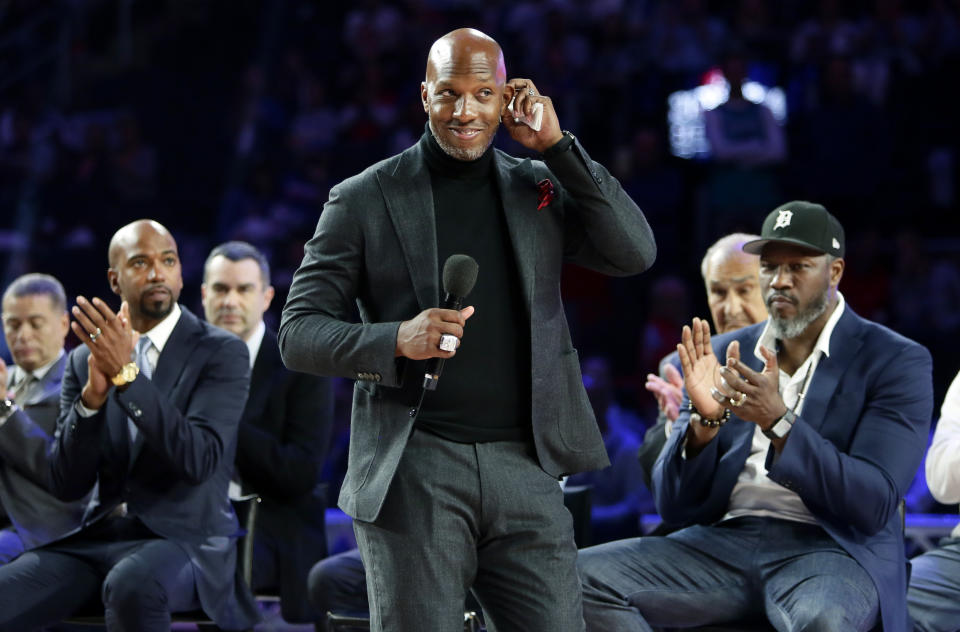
[943, 457]
[254, 342]
[754, 493]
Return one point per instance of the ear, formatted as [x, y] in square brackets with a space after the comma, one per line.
[203, 291]
[268, 295]
[836, 271]
[508, 94]
[65, 324]
[112, 279]
[424, 96]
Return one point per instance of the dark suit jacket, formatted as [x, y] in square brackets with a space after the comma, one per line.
[851, 454]
[176, 474]
[281, 445]
[37, 515]
[376, 244]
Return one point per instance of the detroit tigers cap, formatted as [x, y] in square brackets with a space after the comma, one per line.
[802, 224]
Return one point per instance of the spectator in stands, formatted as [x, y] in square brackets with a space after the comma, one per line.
[157, 437]
[792, 506]
[283, 435]
[746, 143]
[934, 594]
[35, 324]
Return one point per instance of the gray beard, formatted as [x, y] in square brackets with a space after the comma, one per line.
[786, 328]
[457, 152]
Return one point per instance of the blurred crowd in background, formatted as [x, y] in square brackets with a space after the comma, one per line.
[232, 120]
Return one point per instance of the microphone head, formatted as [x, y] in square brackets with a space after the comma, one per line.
[459, 275]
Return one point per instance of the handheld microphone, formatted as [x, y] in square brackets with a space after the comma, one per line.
[459, 277]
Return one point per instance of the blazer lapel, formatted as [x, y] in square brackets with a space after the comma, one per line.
[409, 201]
[51, 381]
[518, 190]
[845, 343]
[171, 363]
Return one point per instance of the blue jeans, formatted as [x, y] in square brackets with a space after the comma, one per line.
[934, 594]
[10, 545]
[794, 574]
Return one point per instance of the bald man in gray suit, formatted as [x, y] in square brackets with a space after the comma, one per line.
[462, 491]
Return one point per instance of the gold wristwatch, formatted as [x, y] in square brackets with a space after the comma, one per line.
[128, 373]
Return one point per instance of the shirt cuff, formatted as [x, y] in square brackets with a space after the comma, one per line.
[83, 411]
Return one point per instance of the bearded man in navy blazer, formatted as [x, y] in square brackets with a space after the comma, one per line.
[789, 462]
[157, 438]
[462, 491]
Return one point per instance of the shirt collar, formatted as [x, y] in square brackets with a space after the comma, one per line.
[162, 330]
[253, 343]
[38, 373]
[768, 340]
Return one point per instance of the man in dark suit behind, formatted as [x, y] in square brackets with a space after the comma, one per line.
[35, 324]
[158, 437]
[283, 435]
[464, 492]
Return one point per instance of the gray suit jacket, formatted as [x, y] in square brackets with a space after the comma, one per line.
[35, 513]
[376, 245]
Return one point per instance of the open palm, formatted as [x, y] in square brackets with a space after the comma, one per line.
[700, 367]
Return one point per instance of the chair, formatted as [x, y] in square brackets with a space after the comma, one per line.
[246, 510]
[578, 499]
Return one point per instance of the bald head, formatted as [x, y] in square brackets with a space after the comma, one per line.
[130, 234]
[466, 51]
[145, 271]
[464, 92]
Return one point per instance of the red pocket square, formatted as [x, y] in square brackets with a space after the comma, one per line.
[545, 187]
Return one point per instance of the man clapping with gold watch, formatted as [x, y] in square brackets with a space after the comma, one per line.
[151, 420]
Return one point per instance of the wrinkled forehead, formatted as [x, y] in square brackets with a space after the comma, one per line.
[733, 266]
[479, 58]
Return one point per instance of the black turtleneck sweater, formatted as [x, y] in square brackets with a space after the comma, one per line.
[484, 393]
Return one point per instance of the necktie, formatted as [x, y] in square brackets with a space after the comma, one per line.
[25, 389]
[146, 369]
[144, 345]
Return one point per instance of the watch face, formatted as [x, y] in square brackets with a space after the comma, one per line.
[781, 428]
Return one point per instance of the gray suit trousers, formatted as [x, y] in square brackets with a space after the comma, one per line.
[462, 515]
